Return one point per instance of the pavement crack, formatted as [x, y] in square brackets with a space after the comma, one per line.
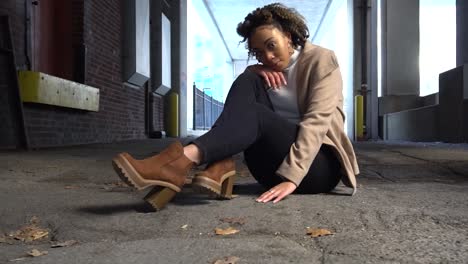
[380, 175]
[438, 164]
[409, 156]
[452, 170]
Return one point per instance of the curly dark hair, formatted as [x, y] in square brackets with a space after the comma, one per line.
[276, 14]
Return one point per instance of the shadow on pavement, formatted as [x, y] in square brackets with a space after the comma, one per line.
[248, 188]
[140, 207]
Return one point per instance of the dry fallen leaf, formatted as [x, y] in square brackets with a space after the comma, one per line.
[17, 259]
[227, 260]
[184, 226]
[67, 243]
[36, 253]
[30, 232]
[227, 231]
[233, 220]
[318, 232]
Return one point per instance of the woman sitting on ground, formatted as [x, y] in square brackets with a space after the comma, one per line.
[285, 114]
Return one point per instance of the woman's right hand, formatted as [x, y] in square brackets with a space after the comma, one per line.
[273, 79]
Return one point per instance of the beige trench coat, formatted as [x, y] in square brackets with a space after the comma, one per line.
[320, 101]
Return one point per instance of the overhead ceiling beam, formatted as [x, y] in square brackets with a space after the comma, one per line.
[322, 19]
[218, 29]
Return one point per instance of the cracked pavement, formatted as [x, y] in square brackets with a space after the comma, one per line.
[411, 207]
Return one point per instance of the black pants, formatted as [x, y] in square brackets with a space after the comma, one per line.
[248, 123]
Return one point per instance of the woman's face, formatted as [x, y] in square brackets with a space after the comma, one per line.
[271, 47]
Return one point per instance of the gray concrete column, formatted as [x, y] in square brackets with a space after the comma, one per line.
[401, 57]
[372, 113]
[155, 45]
[183, 85]
[462, 32]
[453, 95]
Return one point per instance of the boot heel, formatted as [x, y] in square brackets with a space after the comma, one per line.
[226, 188]
[159, 196]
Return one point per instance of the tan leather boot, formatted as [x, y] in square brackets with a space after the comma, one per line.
[217, 178]
[166, 171]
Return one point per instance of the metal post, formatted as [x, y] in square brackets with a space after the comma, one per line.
[211, 112]
[203, 109]
[194, 106]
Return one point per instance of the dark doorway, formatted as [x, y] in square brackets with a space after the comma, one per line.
[52, 37]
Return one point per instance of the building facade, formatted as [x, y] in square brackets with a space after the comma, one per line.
[78, 41]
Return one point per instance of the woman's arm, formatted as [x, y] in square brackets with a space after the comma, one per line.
[322, 102]
[320, 98]
[273, 79]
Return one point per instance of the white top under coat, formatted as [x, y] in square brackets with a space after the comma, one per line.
[284, 99]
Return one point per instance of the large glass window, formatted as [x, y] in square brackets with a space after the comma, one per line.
[210, 68]
[437, 42]
[335, 33]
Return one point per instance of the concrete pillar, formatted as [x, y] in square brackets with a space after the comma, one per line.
[183, 85]
[365, 61]
[155, 45]
[462, 32]
[402, 48]
[372, 115]
[453, 98]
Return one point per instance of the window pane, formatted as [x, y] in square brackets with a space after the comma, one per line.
[335, 33]
[209, 66]
[437, 42]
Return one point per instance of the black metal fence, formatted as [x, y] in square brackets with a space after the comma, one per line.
[205, 109]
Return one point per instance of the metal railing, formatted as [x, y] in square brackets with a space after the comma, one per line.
[205, 109]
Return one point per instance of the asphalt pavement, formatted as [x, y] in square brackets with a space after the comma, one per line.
[411, 207]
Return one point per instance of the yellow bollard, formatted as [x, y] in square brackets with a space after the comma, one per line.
[173, 115]
[359, 117]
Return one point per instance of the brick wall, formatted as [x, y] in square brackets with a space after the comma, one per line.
[97, 26]
[121, 111]
[158, 113]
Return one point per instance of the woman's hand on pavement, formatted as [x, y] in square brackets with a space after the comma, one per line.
[273, 79]
[277, 193]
